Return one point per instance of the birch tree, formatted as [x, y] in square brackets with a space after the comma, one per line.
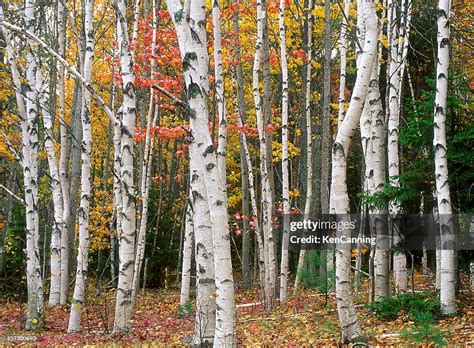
[147, 165]
[448, 274]
[309, 140]
[123, 305]
[343, 68]
[59, 227]
[219, 89]
[399, 260]
[284, 158]
[187, 255]
[339, 200]
[34, 280]
[266, 195]
[86, 146]
[189, 24]
[63, 156]
[28, 124]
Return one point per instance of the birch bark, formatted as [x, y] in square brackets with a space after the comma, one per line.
[284, 158]
[339, 201]
[219, 89]
[146, 168]
[309, 141]
[399, 260]
[123, 304]
[63, 157]
[83, 248]
[267, 227]
[192, 41]
[448, 274]
[187, 256]
[28, 124]
[343, 69]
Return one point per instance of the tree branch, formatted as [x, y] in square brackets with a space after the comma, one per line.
[13, 195]
[169, 95]
[61, 60]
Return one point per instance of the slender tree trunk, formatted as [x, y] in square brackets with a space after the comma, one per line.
[34, 278]
[309, 141]
[187, 255]
[29, 129]
[339, 201]
[123, 305]
[86, 146]
[343, 54]
[241, 111]
[219, 90]
[266, 196]
[399, 260]
[146, 169]
[59, 228]
[326, 137]
[448, 272]
[63, 157]
[253, 201]
[193, 46]
[285, 158]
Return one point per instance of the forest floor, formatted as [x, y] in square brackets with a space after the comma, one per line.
[305, 320]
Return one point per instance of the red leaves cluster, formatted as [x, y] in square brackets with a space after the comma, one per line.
[163, 133]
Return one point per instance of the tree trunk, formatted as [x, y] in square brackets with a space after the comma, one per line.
[343, 69]
[241, 111]
[63, 158]
[339, 200]
[284, 157]
[266, 196]
[448, 273]
[309, 141]
[29, 129]
[399, 260]
[146, 167]
[86, 146]
[59, 228]
[187, 255]
[123, 304]
[219, 90]
[193, 46]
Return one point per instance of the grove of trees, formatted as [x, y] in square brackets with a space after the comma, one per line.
[148, 145]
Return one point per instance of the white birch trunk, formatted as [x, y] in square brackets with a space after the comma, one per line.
[184, 298]
[28, 114]
[123, 304]
[63, 157]
[448, 274]
[193, 46]
[219, 90]
[343, 69]
[267, 226]
[399, 260]
[59, 227]
[86, 146]
[339, 202]
[284, 157]
[253, 203]
[146, 169]
[34, 278]
[309, 142]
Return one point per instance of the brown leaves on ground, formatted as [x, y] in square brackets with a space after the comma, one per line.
[304, 320]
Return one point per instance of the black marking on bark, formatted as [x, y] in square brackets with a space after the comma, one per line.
[196, 196]
[178, 16]
[210, 167]
[195, 36]
[209, 149]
